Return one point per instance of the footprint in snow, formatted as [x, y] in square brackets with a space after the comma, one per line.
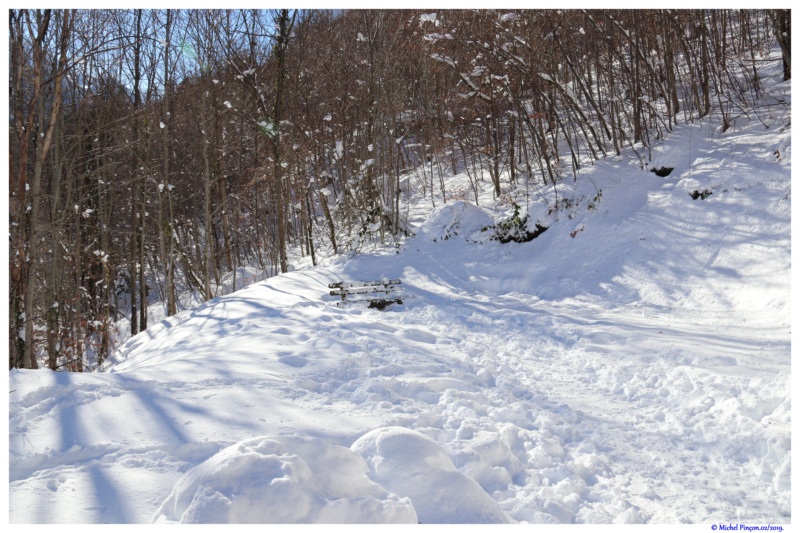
[419, 336]
[293, 360]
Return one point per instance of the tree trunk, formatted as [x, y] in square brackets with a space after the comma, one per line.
[44, 141]
[285, 23]
[166, 236]
[782, 26]
[134, 263]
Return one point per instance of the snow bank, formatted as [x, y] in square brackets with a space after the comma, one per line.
[282, 480]
[457, 218]
[412, 465]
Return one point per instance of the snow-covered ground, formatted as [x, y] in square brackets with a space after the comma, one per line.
[629, 365]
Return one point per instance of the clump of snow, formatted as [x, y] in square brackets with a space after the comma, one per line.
[489, 459]
[457, 218]
[282, 480]
[412, 465]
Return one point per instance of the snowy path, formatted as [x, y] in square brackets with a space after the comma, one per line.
[620, 417]
[562, 411]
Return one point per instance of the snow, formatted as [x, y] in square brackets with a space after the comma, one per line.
[457, 218]
[413, 465]
[629, 365]
[444, 59]
[252, 482]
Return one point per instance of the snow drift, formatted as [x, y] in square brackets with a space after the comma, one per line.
[454, 219]
[412, 465]
[282, 480]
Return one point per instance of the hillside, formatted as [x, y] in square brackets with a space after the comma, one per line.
[167, 156]
[631, 364]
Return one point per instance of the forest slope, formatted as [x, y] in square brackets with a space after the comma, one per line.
[631, 364]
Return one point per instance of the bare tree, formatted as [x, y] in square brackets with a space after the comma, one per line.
[37, 125]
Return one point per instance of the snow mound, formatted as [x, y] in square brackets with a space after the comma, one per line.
[282, 480]
[414, 466]
[457, 218]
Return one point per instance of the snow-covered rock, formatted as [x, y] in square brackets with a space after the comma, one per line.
[454, 219]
